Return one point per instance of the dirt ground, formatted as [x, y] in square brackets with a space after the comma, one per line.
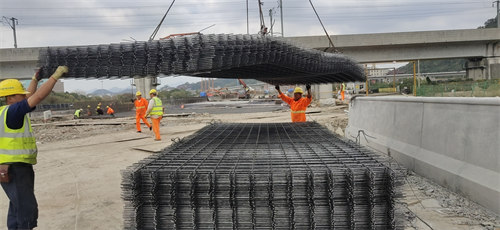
[79, 162]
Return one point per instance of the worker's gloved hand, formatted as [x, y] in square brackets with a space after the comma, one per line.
[60, 71]
[277, 87]
[132, 100]
[37, 76]
[308, 87]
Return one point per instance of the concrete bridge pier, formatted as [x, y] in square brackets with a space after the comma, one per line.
[483, 68]
[322, 92]
[145, 83]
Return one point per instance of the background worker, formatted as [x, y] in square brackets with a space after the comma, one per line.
[298, 104]
[89, 110]
[110, 111]
[141, 105]
[342, 91]
[99, 111]
[155, 111]
[18, 150]
[77, 114]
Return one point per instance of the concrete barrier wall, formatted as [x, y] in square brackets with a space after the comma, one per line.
[453, 141]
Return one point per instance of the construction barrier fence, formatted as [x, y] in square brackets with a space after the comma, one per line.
[487, 88]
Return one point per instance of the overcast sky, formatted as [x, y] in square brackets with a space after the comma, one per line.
[81, 22]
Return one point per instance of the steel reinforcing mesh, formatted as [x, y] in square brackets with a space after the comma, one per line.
[261, 176]
[268, 59]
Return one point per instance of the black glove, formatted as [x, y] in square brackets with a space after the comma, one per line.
[38, 75]
[132, 100]
[277, 87]
[308, 87]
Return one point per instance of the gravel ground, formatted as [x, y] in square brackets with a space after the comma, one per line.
[465, 213]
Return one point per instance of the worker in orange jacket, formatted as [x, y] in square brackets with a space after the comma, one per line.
[110, 111]
[298, 104]
[342, 91]
[141, 105]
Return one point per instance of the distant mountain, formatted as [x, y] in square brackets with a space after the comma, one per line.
[218, 83]
[433, 66]
[101, 92]
[119, 90]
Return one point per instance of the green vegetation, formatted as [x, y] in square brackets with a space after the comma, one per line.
[469, 88]
[176, 94]
[59, 98]
[408, 83]
[490, 23]
[62, 98]
[433, 66]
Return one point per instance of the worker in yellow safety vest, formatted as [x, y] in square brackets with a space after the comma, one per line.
[298, 104]
[18, 148]
[155, 111]
[77, 113]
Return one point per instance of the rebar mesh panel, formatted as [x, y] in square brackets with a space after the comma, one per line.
[268, 59]
[261, 176]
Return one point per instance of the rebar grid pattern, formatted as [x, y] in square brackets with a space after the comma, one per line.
[268, 59]
[261, 176]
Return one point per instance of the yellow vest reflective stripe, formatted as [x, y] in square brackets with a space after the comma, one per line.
[157, 108]
[140, 107]
[299, 111]
[16, 145]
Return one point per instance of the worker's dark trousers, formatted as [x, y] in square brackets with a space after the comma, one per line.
[23, 209]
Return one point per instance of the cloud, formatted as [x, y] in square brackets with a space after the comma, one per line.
[88, 22]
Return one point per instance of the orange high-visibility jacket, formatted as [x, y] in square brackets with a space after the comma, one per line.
[298, 108]
[110, 111]
[141, 106]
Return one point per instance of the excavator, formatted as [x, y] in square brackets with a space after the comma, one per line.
[248, 90]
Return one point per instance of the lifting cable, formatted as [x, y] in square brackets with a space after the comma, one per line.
[328, 36]
[152, 37]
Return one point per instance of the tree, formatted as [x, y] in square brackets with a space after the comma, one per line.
[490, 23]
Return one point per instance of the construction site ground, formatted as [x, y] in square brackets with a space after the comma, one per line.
[79, 162]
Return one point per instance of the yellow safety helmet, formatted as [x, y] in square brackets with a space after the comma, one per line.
[138, 93]
[107, 106]
[11, 87]
[298, 90]
[88, 106]
[152, 91]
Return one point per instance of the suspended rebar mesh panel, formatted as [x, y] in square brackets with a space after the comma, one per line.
[261, 176]
[268, 59]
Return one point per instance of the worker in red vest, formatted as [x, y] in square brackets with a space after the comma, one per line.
[298, 104]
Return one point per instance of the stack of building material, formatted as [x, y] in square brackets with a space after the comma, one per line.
[267, 59]
[261, 176]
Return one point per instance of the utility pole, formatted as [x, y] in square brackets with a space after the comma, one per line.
[271, 20]
[281, 14]
[248, 31]
[13, 26]
[498, 12]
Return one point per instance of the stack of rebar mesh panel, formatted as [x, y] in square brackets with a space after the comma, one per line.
[261, 176]
[267, 59]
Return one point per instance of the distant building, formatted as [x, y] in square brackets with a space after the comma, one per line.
[377, 72]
